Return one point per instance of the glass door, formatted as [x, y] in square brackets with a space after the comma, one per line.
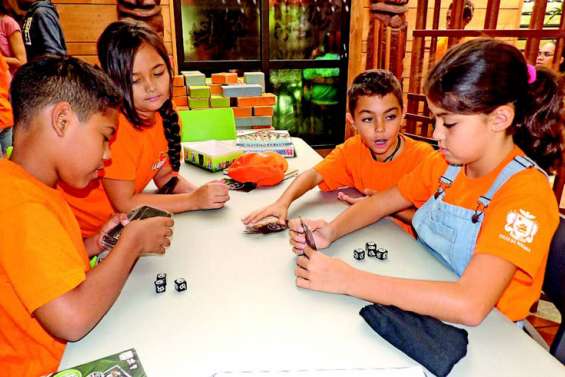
[300, 45]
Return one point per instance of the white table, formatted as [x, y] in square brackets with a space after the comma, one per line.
[243, 311]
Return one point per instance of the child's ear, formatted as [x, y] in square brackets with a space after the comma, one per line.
[501, 118]
[350, 121]
[61, 117]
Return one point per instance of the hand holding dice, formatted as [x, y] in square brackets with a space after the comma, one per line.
[317, 271]
[150, 235]
[320, 231]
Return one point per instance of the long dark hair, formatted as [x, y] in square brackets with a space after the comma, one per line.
[117, 47]
[477, 76]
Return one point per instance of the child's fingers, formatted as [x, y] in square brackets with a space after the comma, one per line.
[295, 225]
[346, 198]
[308, 252]
[302, 261]
[299, 272]
[369, 192]
[302, 283]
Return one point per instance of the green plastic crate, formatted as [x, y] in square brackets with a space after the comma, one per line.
[208, 124]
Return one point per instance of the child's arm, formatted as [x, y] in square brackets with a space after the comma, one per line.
[303, 183]
[74, 314]
[404, 216]
[93, 244]
[17, 46]
[122, 195]
[359, 215]
[166, 173]
[467, 301]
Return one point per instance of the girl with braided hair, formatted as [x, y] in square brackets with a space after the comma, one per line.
[147, 143]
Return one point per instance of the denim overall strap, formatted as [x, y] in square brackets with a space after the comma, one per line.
[450, 232]
[517, 164]
[447, 179]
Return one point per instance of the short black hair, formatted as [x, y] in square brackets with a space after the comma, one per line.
[375, 82]
[52, 79]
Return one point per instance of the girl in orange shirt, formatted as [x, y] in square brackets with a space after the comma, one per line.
[147, 144]
[485, 209]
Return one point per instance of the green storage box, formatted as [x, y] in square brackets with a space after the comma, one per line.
[207, 124]
[212, 155]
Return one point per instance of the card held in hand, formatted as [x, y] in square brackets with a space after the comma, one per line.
[110, 239]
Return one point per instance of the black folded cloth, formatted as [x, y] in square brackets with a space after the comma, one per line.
[432, 343]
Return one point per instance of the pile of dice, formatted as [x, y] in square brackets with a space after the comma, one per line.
[372, 251]
[161, 283]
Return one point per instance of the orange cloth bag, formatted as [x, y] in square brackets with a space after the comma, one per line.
[263, 169]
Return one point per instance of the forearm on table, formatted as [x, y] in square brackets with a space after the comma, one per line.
[303, 183]
[367, 211]
[174, 203]
[447, 301]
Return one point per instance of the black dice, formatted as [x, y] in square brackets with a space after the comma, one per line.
[359, 254]
[162, 276]
[160, 286]
[371, 248]
[180, 285]
[381, 253]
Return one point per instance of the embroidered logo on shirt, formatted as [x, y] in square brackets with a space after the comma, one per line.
[162, 159]
[521, 226]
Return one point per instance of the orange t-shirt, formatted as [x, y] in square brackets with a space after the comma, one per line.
[518, 225]
[351, 164]
[42, 257]
[137, 155]
[6, 117]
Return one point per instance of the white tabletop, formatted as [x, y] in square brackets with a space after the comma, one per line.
[243, 311]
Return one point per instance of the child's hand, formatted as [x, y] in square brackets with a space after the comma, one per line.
[320, 231]
[151, 235]
[211, 195]
[352, 200]
[317, 271]
[276, 209]
[119, 218]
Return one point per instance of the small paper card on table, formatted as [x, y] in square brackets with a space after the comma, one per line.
[122, 364]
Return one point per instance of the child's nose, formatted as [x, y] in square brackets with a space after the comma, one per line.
[438, 132]
[379, 125]
[107, 153]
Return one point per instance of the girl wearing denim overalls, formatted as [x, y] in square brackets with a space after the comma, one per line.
[485, 207]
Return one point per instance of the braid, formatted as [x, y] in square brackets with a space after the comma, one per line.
[172, 133]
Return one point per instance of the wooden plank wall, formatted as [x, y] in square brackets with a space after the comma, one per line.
[84, 20]
[508, 18]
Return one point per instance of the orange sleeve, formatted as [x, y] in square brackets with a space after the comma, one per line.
[124, 154]
[334, 169]
[47, 264]
[421, 183]
[520, 222]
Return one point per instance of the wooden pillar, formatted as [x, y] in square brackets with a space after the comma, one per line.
[417, 61]
[491, 18]
[536, 23]
[386, 44]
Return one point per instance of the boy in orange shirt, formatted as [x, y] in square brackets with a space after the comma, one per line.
[373, 160]
[65, 112]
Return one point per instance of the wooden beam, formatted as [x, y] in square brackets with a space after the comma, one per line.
[510, 33]
[536, 23]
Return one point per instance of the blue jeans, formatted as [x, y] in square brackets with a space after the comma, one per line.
[5, 140]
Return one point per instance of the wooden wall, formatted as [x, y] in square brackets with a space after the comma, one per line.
[508, 18]
[84, 20]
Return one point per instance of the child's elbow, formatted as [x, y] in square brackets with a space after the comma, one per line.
[473, 314]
